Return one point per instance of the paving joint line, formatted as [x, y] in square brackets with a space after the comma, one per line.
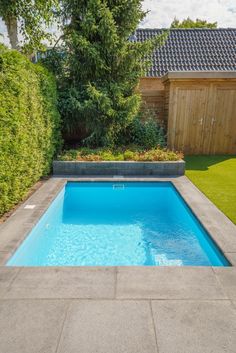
[110, 299]
[220, 284]
[154, 326]
[62, 327]
[14, 277]
[233, 304]
[115, 286]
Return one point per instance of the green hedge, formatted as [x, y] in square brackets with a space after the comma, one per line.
[29, 125]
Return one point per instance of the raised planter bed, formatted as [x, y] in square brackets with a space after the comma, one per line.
[118, 168]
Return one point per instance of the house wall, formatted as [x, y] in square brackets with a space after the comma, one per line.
[153, 95]
[201, 112]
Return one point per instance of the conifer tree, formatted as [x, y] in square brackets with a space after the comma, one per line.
[102, 66]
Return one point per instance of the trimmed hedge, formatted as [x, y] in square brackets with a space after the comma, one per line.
[29, 125]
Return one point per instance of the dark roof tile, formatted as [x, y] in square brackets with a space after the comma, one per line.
[192, 50]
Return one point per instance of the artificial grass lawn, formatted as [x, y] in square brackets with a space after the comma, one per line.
[215, 176]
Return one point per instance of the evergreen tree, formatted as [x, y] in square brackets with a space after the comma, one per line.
[102, 66]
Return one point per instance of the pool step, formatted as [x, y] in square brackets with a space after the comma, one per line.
[118, 186]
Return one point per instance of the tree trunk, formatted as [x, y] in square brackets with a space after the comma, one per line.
[11, 24]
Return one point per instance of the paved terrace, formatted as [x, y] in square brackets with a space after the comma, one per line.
[117, 309]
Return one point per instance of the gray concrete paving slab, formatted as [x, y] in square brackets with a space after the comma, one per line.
[195, 327]
[13, 233]
[168, 283]
[227, 278]
[231, 257]
[3, 257]
[20, 223]
[63, 282]
[31, 326]
[108, 327]
[7, 275]
[222, 230]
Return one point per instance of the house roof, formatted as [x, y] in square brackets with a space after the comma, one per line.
[192, 50]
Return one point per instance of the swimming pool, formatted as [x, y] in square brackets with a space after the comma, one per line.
[118, 224]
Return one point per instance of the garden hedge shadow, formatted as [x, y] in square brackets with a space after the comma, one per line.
[29, 125]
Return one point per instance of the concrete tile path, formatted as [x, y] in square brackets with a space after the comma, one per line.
[31, 326]
[191, 326]
[117, 310]
[108, 326]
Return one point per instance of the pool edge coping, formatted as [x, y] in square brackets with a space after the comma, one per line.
[220, 228]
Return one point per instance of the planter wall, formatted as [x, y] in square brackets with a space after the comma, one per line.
[119, 168]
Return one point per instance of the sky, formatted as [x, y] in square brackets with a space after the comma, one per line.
[162, 12]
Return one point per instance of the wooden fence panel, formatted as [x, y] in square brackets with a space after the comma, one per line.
[186, 133]
[202, 115]
[223, 121]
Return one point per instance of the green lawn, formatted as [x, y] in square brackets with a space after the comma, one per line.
[215, 176]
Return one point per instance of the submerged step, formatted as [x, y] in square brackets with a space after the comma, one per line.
[118, 186]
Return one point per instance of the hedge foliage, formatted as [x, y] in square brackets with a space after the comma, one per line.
[29, 125]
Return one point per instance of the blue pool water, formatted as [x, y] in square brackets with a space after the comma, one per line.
[108, 224]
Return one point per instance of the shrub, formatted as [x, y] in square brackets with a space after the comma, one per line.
[145, 131]
[132, 153]
[129, 155]
[29, 125]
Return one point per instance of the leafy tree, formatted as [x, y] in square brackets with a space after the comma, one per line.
[30, 18]
[188, 23]
[102, 64]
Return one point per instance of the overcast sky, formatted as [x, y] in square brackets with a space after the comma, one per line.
[162, 12]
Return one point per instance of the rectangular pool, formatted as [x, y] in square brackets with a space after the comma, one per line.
[118, 224]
